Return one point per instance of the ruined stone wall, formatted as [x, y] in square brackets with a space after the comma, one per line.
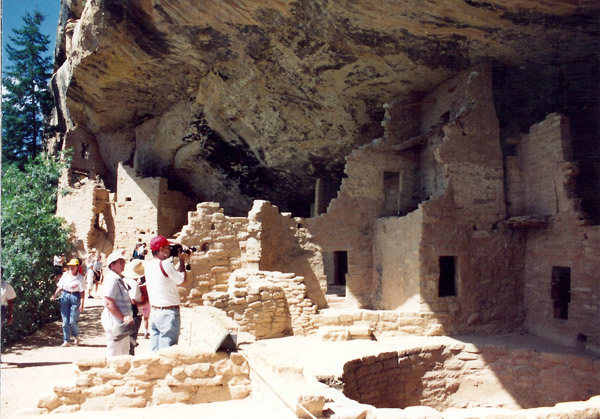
[145, 207]
[287, 248]
[173, 208]
[462, 223]
[88, 211]
[218, 240]
[267, 304]
[461, 183]
[567, 243]
[136, 208]
[86, 158]
[348, 223]
[175, 375]
[364, 324]
[545, 150]
[466, 375]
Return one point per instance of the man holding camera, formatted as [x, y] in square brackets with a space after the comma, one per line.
[162, 279]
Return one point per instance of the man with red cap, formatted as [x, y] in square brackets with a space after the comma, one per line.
[162, 279]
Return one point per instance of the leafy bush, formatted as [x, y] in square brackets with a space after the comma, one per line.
[31, 235]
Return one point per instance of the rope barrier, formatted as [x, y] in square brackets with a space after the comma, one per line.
[274, 392]
[269, 386]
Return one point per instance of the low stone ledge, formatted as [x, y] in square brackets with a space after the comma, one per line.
[172, 375]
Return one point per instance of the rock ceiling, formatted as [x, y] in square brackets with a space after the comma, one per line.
[234, 100]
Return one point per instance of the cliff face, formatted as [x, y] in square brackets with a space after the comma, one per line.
[237, 99]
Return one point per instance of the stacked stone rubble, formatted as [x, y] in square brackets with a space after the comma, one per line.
[225, 270]
[218, 240]
[372, 324]
[175, 375]
[267, 304]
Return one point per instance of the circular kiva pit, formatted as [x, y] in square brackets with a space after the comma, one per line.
[468, 376]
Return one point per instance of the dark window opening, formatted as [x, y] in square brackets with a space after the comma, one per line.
[391, 190]
[561, 291]
[85, 154]
[340, 267]
[128, 198]
[447, 282]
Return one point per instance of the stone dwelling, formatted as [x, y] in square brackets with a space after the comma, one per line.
[436, 219]
[347, 170]
[436, 241]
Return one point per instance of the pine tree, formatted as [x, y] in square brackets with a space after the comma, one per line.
[27, 102]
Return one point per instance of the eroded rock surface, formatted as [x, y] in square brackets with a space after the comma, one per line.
[241, 99]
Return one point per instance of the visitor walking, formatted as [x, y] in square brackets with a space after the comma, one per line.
[7, 299]
[71, 288]
[58, 264]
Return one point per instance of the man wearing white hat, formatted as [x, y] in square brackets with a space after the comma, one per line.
[117, 312]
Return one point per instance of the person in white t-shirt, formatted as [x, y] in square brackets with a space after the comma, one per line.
[71, 288]
[162, 279]
[7, 298]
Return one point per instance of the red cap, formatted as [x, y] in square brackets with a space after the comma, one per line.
[159, 242]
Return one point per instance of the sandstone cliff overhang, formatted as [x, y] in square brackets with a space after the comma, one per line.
[237, 100]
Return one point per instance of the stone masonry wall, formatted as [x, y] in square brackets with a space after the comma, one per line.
[89, 212]
[225, 270]
[86, 158]
[175, 375]
[466, 376]
[285, 247]
[136, 208]
[567, 242]
[218, 240]
[462, 222]
[364, 324]
[266, 304]
[348, 223]
[146, 207]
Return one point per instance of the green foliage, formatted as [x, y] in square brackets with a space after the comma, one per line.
[31, 235]
[27, 101]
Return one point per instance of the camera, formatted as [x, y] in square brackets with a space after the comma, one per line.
[175, 248]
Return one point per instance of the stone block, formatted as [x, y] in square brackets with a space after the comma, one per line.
[163, 394]
[120, 364]
[49, 401]
[360, 332]
[201, 370]
[309, 405]
[333, 334]
[241, 391]
[210, 395]
[86, 364]
[97, 391]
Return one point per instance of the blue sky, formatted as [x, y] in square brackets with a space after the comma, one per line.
[13, 10]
